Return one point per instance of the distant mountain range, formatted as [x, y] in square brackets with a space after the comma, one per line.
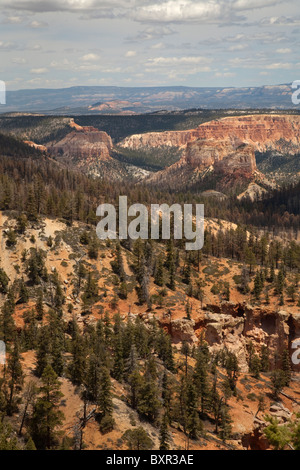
[122, 100]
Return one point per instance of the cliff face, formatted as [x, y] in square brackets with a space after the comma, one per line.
[225, 147]
[89, 150]
[42, 148]
[235, 326]
[225, 156]
[264, 132]
[82, 145]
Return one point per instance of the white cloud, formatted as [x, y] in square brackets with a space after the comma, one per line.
[151, 33]
[280, 66]
[38, 24]
[7, 45]
[238, 47]
[159, 45]
[19, 60]
[252, 4]
[13, 20]
[171, 61]
[130, 54]
[185, 10]
[280, 21]
[225, 74]
[284, 51]
[90, 57]
[39, 71]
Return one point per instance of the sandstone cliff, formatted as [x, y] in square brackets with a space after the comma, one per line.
[84, 143]
[224, 146]
[264, 132]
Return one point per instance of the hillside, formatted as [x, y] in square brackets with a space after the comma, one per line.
[80, 283]
[131, 100]
[142, 341]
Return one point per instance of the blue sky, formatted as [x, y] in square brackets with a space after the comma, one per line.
[62, 43]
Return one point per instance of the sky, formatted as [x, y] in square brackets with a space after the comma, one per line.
[64, 43]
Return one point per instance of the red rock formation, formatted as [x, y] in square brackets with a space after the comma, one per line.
[226, 146]
[223, 155]
[85, 143]
[42, 148]
[235, 326]
[280, 132]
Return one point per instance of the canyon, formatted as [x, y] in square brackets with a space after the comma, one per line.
[217, 155]
[224, 147]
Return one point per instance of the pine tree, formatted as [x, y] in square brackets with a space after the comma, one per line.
[255, 366]
[4, 281]
[278, 379]
[194, 426]
[135, 381]
[118, 368]
[137, 439]
[16, 378]
[21, 223]
[164, 436]
[29, 396]
[201, 378]
[7, 324]
[93, 248]
[286, 367]
[77, 367]
[265, 364]
[104, 402]
[39, 306]
[47, 416]
[232, 369]
[148, 402]
[43, 357]
[225, 425]
[23, 292]
[185, 350]
[278, 436]
[90, 295]
[166, 395]
[30, 445]
[187, 273]
[117, 264]
[159, 272]
[93, 378]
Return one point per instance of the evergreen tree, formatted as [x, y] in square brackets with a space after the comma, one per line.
[159, 272]
[137, 439]
[286, 367]
[164, 436]
[47, 416]
[104, 402]
[4, 280]
[16, 378]
[23, 292]
[201, 377]
[225, 425]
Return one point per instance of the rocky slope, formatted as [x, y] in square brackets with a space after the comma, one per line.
[264, 132]
[220, 154]
[235, 325]
[226, 146]
[89, 150]
[83, 143]
[224, 324]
